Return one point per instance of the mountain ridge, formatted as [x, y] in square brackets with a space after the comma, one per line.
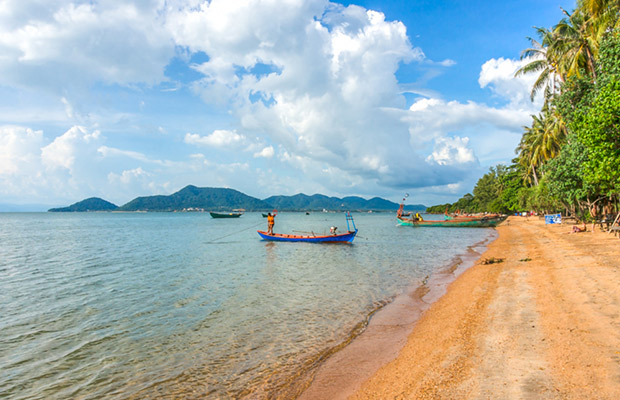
[86, 205]
[193, 198]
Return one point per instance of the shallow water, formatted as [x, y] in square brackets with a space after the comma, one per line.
[168, 305]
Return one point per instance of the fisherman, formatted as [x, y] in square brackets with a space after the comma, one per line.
[271, 220]
[418, 216]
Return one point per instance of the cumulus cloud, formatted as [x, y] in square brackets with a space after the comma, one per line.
[450, 151]
[219, 138]
[19, 148]
[33, 167]
[130, 177]
[65, 43]
[79, 164]
[267, 152]
[315, 79]
[331, 99]
[498, 75]
[64, 150]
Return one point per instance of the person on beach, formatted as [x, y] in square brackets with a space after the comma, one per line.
[271, 220]
[593, 213]
[578, 229]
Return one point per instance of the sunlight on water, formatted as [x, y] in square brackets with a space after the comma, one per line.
[169, 305]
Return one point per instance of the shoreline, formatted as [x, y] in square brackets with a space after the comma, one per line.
[342, 373]
[541, 324]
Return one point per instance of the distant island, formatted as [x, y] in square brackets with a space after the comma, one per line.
[192, 198]
[91, 204]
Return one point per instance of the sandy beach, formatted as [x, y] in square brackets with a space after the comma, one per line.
[542, 324]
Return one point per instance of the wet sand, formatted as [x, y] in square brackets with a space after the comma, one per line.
[543, 324]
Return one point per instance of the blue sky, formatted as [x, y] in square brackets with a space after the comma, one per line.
[118, 99]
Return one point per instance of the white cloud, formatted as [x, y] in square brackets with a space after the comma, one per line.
[64, 150]
[129, 177]
[498, 75]
[106, 151]
[63, 43]
[494, 131]
[267, 152]
[451, 151]
[315, 80]
[34, 168]
[78, 164]
[19, 148]
[219, 138]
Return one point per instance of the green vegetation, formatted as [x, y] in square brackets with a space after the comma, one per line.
[91, 204]
[195, 198]
[192, 198]
[318, 202]
[568, 159]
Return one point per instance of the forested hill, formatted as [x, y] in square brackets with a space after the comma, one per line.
[317, 202]
[91, 204]
[192, 198]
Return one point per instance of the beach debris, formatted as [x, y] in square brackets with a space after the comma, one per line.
[492, 260]
[525, 259]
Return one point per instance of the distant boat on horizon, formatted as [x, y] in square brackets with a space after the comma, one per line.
[233, 214]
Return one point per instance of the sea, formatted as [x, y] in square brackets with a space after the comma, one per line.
[181, 305]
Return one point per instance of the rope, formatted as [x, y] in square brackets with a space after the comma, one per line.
[236, 232]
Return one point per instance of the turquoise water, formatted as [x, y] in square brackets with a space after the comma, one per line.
[180, 305]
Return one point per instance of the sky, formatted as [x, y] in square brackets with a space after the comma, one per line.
[118, 99]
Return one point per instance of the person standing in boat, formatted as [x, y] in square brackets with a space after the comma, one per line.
[271, 220]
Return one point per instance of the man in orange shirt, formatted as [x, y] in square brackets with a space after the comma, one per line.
[271, 220]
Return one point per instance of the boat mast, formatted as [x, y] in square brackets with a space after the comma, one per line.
[350, 217]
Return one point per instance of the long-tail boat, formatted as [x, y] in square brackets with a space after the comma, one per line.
[458, 221]
[311, 237]
[233, 214]
[478, 222]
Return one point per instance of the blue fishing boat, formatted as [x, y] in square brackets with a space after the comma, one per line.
[311, 237]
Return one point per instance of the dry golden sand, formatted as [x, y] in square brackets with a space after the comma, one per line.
[543, 328]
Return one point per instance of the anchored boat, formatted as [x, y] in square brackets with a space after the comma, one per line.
[233, 214]
[482, 222]
[311, 237]
[457, 221]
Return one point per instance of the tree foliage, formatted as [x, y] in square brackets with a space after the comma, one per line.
[569, 157]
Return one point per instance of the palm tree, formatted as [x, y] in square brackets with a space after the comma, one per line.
[541, 142]
[569, 49]
[529, 151]
[544, 61]
[576, 44]
[600, 8]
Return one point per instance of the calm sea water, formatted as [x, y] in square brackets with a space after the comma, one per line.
[169, 305]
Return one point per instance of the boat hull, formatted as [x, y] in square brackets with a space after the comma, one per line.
[225, 215]
[279, 237]
[455, 223]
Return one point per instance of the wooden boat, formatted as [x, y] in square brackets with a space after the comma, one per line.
[481, 222]
[315, 238]
[226, 215]
[311, 238]
[466, 217]
[455, 221]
